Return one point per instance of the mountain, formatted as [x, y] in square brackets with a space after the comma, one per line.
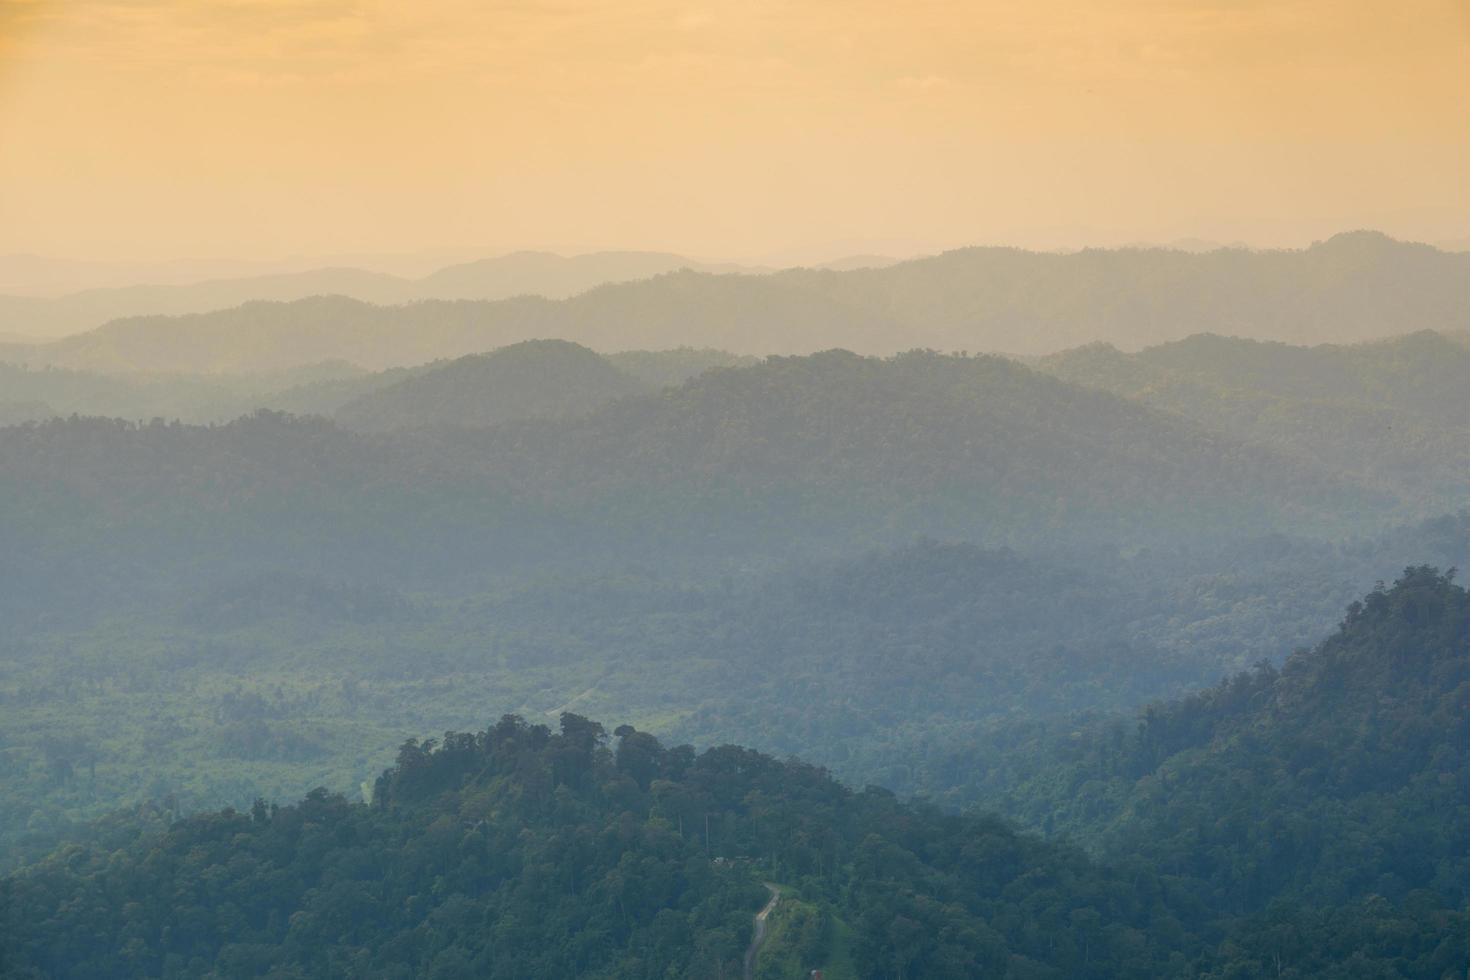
[516, 274]
[533, 379]
[265, 336]
[1337, 777]
[555, 276]
[671, 368]
[518, 853]
[837, 661]
[313, 389]
[41, 316]
[790, 457]
[639, 559]
[1388, 413]
[978, 448]
[1353, 287]
[316, 389]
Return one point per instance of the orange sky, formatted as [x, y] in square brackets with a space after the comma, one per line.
[724, 128]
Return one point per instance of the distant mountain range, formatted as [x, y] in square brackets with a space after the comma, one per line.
[549, 377]
[1354, 287]
[1388, 413]
[516, 274]
[28, 311]
[791, 456]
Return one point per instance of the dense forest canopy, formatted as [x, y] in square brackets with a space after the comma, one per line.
[1260, 826]
[1339, 774]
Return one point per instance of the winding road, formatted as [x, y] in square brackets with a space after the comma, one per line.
[756, 941]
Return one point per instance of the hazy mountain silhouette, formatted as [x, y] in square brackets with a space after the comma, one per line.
[516, 274]
[1389, 412]
[794, 455]
[1353, 287]
[315, 389]
[533, 379]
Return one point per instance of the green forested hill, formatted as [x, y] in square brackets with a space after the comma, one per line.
[270, 682]
[1343, 775]
[521, 854]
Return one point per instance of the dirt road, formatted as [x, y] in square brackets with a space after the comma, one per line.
[753, 950]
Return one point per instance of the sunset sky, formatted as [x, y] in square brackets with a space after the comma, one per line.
[724, 129]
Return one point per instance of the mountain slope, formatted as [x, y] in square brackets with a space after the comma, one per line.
[520, 854]
[1389, 413]
[1340, 776]
[516, 274]
[831, 453]
[39, 317]
[517, 853]
[534, 379]
[977, 448]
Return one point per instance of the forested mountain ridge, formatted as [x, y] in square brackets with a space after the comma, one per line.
[533, 379]
[520, 853]
[1389, 412]
[793, 454]
[1352, 287]
[269, 680]
[1342, 775]
[952, 446]
[38, 393]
